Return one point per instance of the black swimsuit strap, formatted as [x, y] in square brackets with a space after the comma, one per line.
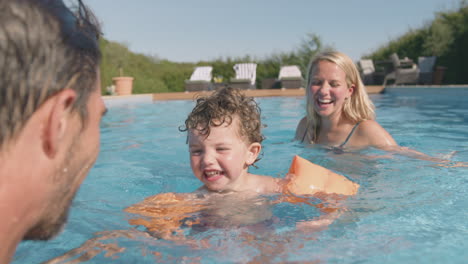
[349, 136]
[305, 133]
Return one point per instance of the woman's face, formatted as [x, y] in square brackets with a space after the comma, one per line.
[329, 89]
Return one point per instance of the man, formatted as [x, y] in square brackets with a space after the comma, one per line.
[50, 109]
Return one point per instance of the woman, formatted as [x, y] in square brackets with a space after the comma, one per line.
[340, 114]
[339, 111]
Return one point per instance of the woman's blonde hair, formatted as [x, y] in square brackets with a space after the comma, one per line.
[358, 108]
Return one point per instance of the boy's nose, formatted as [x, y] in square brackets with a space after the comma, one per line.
[208, 159]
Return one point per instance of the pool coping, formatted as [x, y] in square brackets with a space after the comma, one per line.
[428, 86]
[250, 93]
[371, 89]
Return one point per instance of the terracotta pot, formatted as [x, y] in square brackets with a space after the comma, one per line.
[123, 85]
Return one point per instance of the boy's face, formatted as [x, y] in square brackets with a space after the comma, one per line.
[221, 160]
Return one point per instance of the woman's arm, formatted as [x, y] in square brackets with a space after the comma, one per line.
[379, 138]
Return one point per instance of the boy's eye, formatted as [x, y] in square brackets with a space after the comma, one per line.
[222, 149]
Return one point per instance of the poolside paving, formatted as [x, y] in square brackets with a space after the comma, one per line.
[371, 89]
[252, 93]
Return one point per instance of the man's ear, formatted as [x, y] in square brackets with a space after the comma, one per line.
[56, 121]
[254, 150]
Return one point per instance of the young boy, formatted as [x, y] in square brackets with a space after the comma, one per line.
[224, 138]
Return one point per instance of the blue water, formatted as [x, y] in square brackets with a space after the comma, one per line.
[407, 210]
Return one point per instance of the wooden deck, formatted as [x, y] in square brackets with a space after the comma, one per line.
[375, 89]
[252, 93]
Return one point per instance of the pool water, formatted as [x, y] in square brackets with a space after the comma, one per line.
[407, 210]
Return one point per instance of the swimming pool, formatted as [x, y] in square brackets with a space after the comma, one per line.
[407, 210]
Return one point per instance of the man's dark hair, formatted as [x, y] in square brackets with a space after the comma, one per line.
[44, 48]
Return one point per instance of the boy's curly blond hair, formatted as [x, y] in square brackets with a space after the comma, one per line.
[221, 107]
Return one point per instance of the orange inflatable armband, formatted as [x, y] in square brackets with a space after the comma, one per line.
[310, 178]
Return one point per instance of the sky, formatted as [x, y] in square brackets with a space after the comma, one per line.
[195, 30]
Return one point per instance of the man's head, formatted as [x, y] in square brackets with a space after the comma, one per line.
[44, 48]
[50, 107]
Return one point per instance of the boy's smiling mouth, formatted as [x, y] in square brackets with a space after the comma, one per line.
[213, 175]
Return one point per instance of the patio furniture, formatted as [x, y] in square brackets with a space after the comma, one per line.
[270, 83]
[246, 74]
[367, 71]
[200, 80]
[290, 77]
[439, 75]
[405, 71]
[373, 73]
[426, 69]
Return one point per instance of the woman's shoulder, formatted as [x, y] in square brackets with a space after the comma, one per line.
[301, 129]
[375, 133]
[302, 123]
[369, 126]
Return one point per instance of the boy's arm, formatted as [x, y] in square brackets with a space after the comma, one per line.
[308, 179]
[163, 214]
[99, 245]
[331, 208]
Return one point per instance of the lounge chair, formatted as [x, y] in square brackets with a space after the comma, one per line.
[246, 74]
[367, 71]
[373, 73]
[200, 80]
[404, 71]
[290, 77]
[426, 69]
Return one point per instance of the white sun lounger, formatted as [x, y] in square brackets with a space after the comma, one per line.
[200, 80]
[246, 74]
[290, 77]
